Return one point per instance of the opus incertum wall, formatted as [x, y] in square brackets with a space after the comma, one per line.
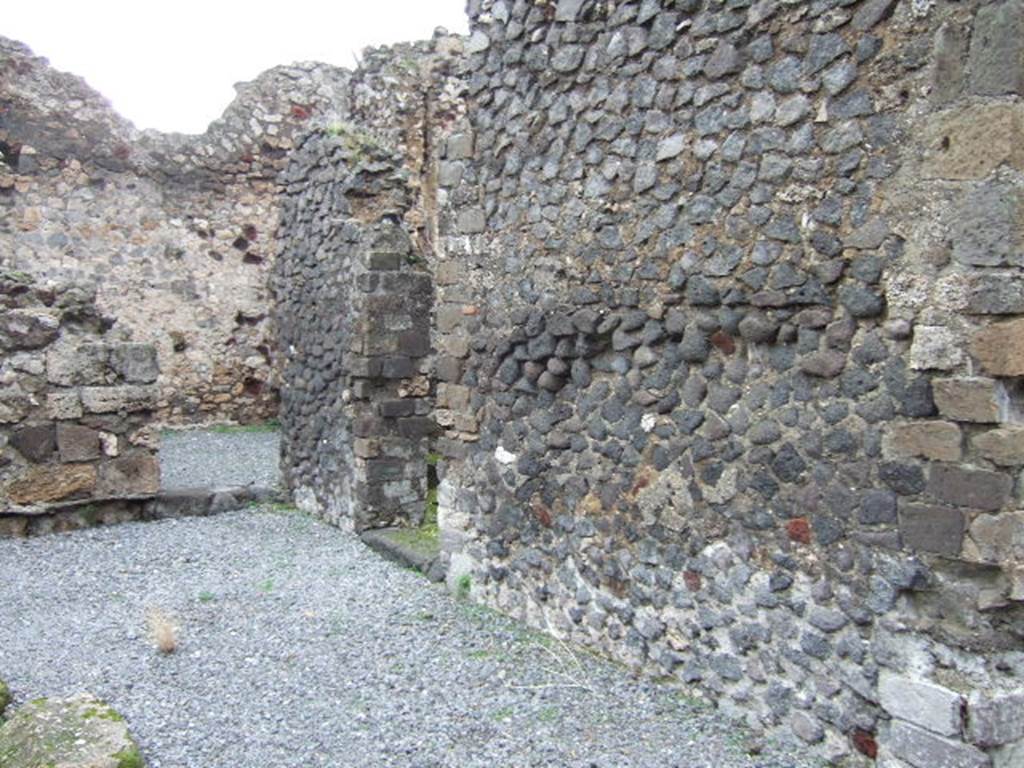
[726, 351]
[353, 311]
[354, 293]
[175, 232]
[729, 320]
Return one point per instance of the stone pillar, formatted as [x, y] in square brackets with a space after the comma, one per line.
[389, 401]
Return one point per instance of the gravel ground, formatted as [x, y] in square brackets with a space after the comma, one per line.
[300, 647]
[200, 458]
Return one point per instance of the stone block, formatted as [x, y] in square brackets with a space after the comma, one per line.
[393, 409]
[368, 426]
[936, 440]
[1008, 755]
[459, 146]
[135, 474]
[453, 396]
[996, 294]
[384, 469]
[996, 60]
[1003, 446]
[449, 174]
[365, 448]
[181, 502]
[414, 342]
[391, 239]
[568, 10]
[448, 368]
[975, 488]
[987, 227]
[936, 347]
[45, 484]
[871, 13]
[970, 143]
[949, 56]
[1000, 348]
[995, 719]
[826, 365]
[35, 442]
[417, 427]
[448, 273]
[397, 368]
[72, 365]
[28, 328]
[383, 261]
[135, 363]
[878, 507]
[920, 702]
[996, 539]
[932, 528]
[971, 398]
[471, 221]
[64, 405]
[129, 397]
[924, 749]
[449, 317]
[807, 727]
[77, 443]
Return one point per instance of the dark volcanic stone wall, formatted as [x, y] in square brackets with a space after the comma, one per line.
[354, 293]
[723, 358]
[353, 312]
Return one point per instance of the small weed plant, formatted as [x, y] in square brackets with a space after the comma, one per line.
[163, 631]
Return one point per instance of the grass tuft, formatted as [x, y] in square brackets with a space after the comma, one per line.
[163, 631]
[463, 585]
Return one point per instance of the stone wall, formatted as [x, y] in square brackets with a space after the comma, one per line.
[354, 294]
[76, 406]
[354, 322]
[728, 321]
[176, 232]
[725, 345]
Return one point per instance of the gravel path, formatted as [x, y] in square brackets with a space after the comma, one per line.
[201, 458]
[300, 647]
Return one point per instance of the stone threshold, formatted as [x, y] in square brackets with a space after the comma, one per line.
[409, 547]
[170, 503]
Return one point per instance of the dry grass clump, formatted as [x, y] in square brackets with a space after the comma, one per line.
[163, 630]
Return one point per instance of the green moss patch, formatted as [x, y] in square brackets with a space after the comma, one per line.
[80, 731]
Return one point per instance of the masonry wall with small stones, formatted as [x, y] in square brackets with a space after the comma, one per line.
[76, 411]
[728, 342]
[176, 232]
[354, 293]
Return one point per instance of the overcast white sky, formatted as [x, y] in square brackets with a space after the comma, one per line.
[172, 65]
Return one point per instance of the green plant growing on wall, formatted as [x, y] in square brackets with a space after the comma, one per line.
[463, 585]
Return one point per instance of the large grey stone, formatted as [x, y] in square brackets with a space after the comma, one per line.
[971, 398]
[996, 294]
[924, 749]
[975, 488]
[988, 228]
[997, 50]
[568, 10]
[135, 363]
[932, 528]
[921, 702]
[871, 12]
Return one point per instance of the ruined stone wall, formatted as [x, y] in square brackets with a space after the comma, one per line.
[353, 292]
[76, 406]
[728, 354]
[177, 232]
